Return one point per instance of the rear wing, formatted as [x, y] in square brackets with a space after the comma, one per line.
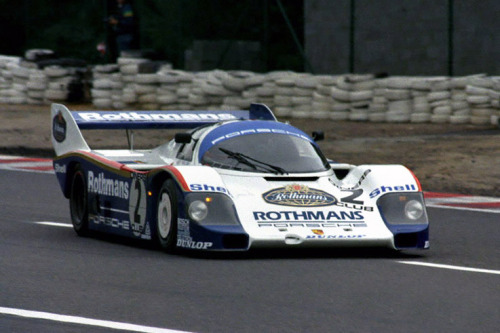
[67, 125]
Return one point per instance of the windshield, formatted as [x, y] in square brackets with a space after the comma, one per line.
[266, 152]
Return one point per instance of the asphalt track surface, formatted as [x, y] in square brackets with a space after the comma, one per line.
[54, 281]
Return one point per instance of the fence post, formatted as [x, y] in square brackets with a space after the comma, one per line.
[451, 50]
[352, 28]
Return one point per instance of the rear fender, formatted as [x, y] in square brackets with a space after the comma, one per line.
[65, 169]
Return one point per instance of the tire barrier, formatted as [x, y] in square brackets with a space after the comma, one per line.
[39, 78]
[139, 83]
[470, 99]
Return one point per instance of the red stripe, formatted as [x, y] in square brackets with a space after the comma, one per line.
[443, 195]
[419, 186]
[39, 168]
[474, 205]
[93, 158]
[25, 160]
[103, 160]
[179, 177]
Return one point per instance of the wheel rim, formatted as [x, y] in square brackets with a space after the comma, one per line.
[164, 215]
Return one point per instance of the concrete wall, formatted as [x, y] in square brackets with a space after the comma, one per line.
[403, 37]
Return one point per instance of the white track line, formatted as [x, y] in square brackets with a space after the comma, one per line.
[457, 268]
[55, 224]
[85, 321]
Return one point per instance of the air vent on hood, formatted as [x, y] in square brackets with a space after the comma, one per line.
[291, 179]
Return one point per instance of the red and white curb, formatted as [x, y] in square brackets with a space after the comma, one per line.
[462, 202]
[28, 164]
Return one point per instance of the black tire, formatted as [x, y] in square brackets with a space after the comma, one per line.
[166, 217]
[78, 203]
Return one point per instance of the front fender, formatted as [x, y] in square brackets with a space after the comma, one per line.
[390, 178]
[376, 180]
[202, 179]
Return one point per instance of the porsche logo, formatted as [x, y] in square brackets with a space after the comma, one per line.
[298, 196]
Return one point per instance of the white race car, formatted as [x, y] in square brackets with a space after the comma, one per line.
[235, 180]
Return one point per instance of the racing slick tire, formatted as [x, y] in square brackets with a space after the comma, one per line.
[166, 217]
[78, 203]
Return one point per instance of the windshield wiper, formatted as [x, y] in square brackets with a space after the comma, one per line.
[242, 158]
[238, 157]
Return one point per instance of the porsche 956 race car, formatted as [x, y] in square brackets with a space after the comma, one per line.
[230, 181]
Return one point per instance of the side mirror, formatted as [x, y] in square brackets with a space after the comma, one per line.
[318, 135]
[182, 138]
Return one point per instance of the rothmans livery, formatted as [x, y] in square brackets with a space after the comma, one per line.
[230, 181]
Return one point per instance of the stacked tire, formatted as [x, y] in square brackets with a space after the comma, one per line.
[174, 88]
[399, 99]
[129, 68]
[361, 96]
[341, 99]
[478, 92]
[460, 107]
[377, 108]
[236, 94]
[17, 77]
[106, 91]
[495, 101]
[321, 99]
[282, 82]
[439, 100]
[250, 88]
[36, 86]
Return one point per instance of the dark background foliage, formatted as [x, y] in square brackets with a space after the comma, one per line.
[73, 28]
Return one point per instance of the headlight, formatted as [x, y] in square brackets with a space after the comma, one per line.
[414, 209]
[198, 210]
[209, 208]
[403, 208]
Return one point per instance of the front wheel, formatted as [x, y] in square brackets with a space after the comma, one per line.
[78, 203]
[166, 217]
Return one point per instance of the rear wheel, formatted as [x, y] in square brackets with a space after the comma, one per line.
[78, 203]
[166, 217]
